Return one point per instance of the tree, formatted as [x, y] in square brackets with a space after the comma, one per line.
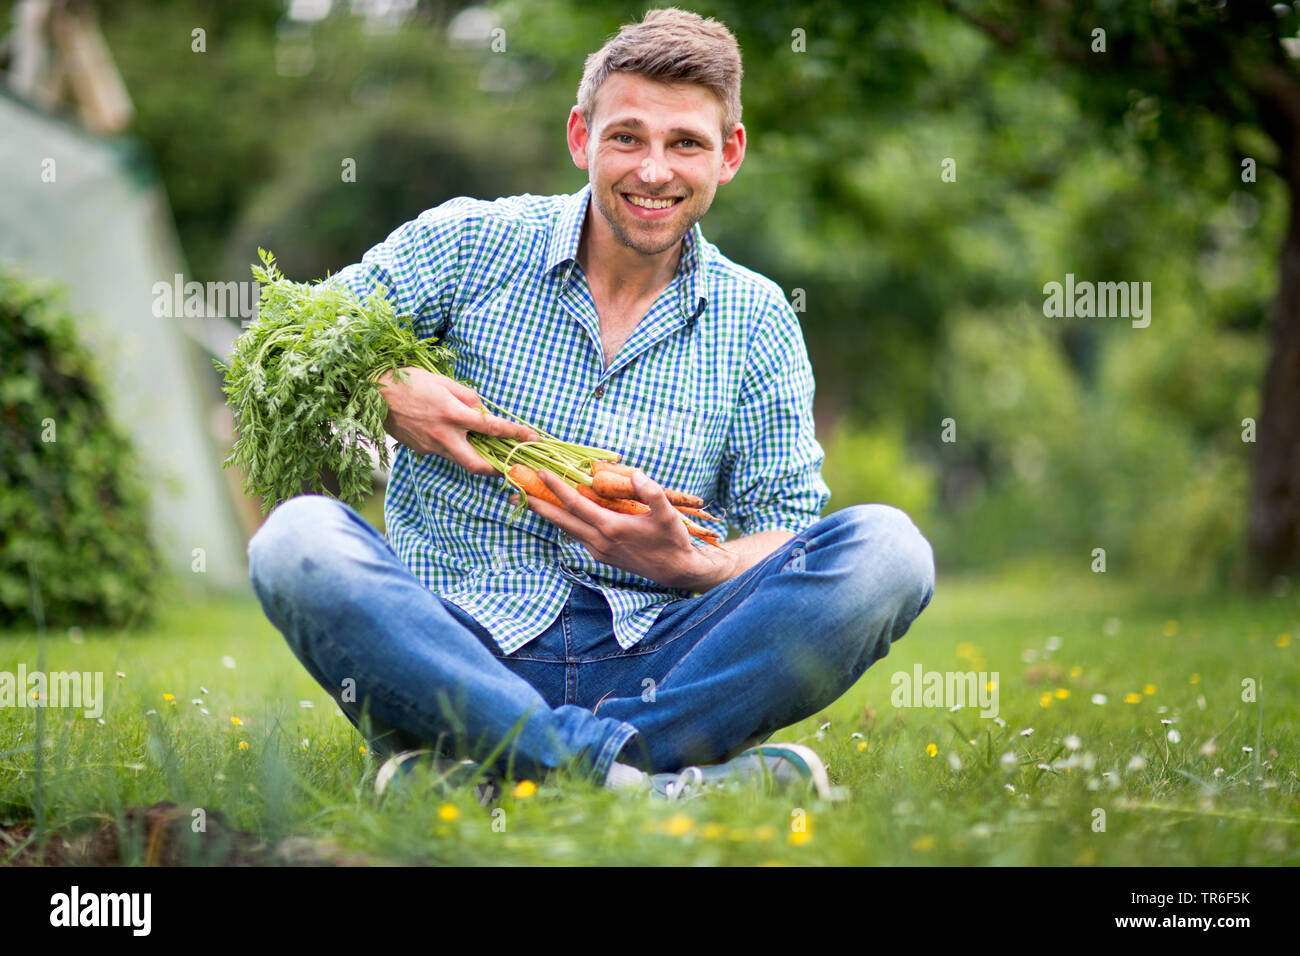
[1186, 78]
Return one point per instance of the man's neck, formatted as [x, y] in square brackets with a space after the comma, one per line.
[619, 270]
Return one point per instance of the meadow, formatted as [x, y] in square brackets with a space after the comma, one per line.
[1134, 727]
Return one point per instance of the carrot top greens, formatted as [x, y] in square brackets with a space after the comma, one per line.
[302, 385]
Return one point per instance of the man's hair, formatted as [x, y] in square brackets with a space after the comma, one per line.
[672, 46]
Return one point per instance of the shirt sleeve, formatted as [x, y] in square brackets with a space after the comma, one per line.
[418, 265]
[773, 458]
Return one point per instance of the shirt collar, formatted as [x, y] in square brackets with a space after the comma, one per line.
[566, 235]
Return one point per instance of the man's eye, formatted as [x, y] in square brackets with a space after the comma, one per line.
[688, 143]
[624, 137]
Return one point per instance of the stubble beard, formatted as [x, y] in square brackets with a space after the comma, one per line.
[689, 217]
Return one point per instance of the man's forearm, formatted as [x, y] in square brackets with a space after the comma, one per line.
[737, 557]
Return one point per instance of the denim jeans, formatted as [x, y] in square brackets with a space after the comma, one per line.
[716, 673]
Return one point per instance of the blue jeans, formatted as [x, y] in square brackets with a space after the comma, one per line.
[716, 673]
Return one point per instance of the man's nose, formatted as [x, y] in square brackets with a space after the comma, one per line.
[654, 168]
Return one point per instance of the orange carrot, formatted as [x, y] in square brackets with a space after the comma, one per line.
[527, 479]
[702, 533]
[696, 513]
[627, 506]
[609, 484]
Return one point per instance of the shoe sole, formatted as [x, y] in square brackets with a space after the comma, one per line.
[821, 781]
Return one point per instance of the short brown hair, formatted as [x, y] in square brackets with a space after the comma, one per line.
[672, 46]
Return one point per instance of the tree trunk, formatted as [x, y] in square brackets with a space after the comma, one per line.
[1275, 506]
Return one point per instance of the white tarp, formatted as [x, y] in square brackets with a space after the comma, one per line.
[103, 230]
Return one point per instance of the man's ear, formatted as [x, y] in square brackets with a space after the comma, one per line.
[577, 136]
[733, 153]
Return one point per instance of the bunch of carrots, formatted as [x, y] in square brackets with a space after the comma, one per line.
[596, 474]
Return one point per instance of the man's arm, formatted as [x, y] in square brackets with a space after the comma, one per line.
[772, 463]
[418, 267]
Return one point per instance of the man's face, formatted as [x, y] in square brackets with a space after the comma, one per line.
[655, 156]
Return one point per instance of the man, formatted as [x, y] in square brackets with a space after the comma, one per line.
[611, 644]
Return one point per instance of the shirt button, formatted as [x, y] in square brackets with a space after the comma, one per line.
[600, 390]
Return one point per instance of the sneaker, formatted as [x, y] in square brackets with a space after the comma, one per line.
[450, 773]
[782, 767]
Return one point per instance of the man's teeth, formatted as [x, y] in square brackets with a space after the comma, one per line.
[650, 203]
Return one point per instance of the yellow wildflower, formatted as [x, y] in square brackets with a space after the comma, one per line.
[1149, 689]
[448, 812]
[1284, 640]
[236, 721]
[923, 844]
[1132, 698]
[679, 825]
[931, 750]
[243, 745]
[525, 789]
[1062, 693]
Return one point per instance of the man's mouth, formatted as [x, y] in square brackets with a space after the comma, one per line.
[650, 207]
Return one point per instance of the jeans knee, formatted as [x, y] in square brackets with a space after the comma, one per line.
[289, 541]
[892, 561]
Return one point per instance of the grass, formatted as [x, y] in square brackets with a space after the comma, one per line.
[1055, 639]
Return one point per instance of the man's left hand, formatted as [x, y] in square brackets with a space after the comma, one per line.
[655, 545]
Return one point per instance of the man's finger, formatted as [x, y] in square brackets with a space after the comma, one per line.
[482, 421]
[464, 393]
[463, 454]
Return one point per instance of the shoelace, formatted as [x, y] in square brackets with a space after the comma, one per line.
[689, 777]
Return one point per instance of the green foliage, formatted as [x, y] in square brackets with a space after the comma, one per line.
[72, 503]
[865, 465]
[302, 385]
[1043, 461]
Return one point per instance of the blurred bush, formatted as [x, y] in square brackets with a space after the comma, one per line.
[72, 503]
[872, 464]
[1153, 472]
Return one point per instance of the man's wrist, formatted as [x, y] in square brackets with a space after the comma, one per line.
[718, 564]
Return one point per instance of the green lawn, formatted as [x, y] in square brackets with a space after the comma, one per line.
[304, 771]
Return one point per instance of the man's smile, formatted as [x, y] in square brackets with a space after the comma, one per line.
[651, 207]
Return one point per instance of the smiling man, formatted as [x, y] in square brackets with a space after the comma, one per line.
[611, 644]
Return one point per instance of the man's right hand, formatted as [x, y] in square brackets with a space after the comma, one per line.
[432, 413]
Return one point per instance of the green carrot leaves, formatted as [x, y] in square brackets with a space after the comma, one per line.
[302, 385]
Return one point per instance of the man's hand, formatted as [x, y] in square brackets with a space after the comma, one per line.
[655, 545]
[431, 414]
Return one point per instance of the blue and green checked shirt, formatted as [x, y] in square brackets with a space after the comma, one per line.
[711, 394]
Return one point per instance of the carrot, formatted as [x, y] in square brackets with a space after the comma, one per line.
[696, 513]
[676, 497]
[608, 484]
[702, 533]
[527, 479]
[600, 465]
[627, 506]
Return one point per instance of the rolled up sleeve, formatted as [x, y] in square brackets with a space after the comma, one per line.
[773, 460]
